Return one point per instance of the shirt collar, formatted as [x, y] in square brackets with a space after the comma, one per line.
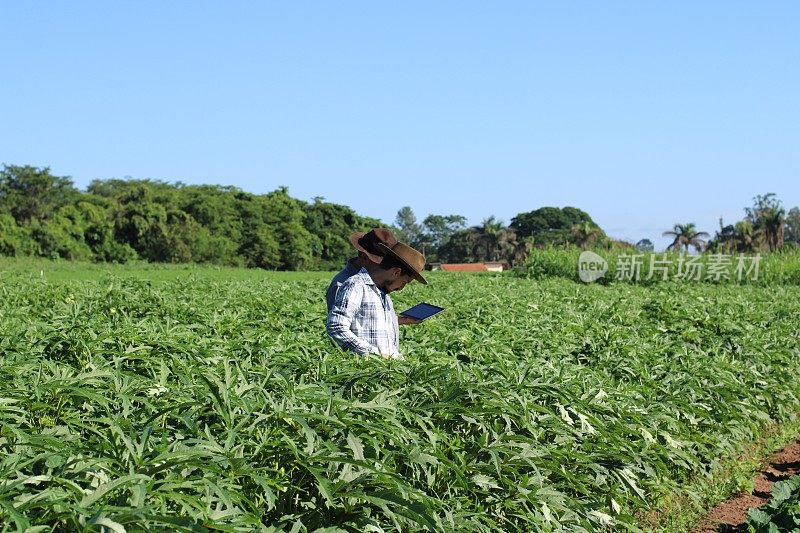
[367, 278]
[368, 281]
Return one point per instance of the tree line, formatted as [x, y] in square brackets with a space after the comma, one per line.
[448, 239]
[766, 227]
[121, 220]
[115, 220]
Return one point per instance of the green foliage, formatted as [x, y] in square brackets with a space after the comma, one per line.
[782, 513]
[782, 267]
[684, 236]
[125, 220]
[552, 263]
[550, 225]
[766, 226]
[199, 403]
[489, 241]
[332, 225]
[779, 268]
[407, 229]
[762, 204]
[30, 193]
[587, 235]
[460, 247]
[59, 237]
[768, 219]
[438, 229]
[122, 220]
[298, 247]
[792, 233]
[14, 240]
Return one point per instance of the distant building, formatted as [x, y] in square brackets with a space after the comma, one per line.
[496, 266]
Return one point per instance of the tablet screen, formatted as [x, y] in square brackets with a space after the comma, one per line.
[422, 311]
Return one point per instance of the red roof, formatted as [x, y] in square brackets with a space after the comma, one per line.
[464, 267]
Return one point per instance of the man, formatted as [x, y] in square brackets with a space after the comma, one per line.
[368, 256]
[362, 318]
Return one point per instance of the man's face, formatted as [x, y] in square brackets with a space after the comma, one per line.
[397, 281]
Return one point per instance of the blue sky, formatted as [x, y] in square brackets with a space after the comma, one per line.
[644, 114]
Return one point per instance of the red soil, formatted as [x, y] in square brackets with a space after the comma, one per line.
[731, 515]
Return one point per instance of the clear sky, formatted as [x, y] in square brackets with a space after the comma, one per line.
[644, 114]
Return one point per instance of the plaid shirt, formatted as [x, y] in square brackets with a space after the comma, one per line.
[362, 318]
[349, 270]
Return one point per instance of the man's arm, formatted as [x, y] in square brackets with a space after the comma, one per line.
[403, 320]
[345, 307]
[330, 294]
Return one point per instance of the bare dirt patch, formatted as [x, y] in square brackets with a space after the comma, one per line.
[731, 515]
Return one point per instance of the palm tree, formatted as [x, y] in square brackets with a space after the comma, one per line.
[744, 236]
[488, 237]
[686, 235]
[506, 244]
[773, 221]
[727, 239]
[522, 250]
[724, 240]
[586, 233]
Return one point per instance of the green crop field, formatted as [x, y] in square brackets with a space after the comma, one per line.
[188, 398]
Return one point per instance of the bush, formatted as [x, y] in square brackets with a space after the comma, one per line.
[776, 268]
[552, 263]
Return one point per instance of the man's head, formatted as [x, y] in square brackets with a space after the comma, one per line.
[367, 244]
[401, 264]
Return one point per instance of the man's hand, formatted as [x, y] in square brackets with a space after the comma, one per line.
[403, 320]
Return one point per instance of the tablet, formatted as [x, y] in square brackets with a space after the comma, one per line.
[422, 311]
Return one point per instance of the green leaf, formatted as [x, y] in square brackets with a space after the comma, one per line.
[356, 445]
[116, 527]
[105, 488]
[781, 490]
[758, 517]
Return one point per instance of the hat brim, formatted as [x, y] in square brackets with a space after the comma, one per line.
[414, 271]
[354, 241]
